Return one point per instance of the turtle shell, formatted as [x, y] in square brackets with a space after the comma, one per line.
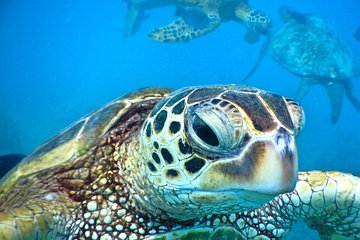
[79, 138]
[312, 49]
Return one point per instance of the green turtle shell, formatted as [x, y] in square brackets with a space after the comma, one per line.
[312, 49]
[79, 138]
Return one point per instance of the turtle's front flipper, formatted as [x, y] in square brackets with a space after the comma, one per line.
[329, 202]
[187, 27]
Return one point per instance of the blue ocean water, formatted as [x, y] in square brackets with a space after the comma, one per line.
[63, 59]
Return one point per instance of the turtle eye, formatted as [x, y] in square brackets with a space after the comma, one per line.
[204, 131]
[212, 130]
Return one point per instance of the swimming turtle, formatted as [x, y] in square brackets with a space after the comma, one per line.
[197, 17]
[310, 48]
[188, 164]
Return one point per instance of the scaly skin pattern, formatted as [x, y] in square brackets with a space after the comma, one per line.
[141, 168]
[156, 174]
[44, 198]
[329, 202]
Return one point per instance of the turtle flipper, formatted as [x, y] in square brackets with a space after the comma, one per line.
[254, 19]
[335, 91]
[329, 202]
[305, 85]
[133, 18]
[260, 57]
[184, 30]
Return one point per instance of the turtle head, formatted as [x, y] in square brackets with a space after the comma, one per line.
[219, 148]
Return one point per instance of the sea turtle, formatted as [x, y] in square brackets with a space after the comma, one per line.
[196, 18]
[187, 164]
[308, 47]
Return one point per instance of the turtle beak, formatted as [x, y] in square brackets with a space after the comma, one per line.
[266, 167]
[275, 164]
[288, 160]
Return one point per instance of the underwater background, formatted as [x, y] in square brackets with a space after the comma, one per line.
[61, 59]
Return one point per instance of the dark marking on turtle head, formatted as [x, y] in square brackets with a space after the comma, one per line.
[160, 120]
[194, 165]
[171, 173]
[223, 104]
[168, 158]
[151, 166]
[205, 93]
[156, 158]
[253, 107]
[175, 127]
[178, 108]
[215, 101]
[247, 166]
[158, 107]
[278, 106]
[185, 148]
[148, 130]
[178, 97]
